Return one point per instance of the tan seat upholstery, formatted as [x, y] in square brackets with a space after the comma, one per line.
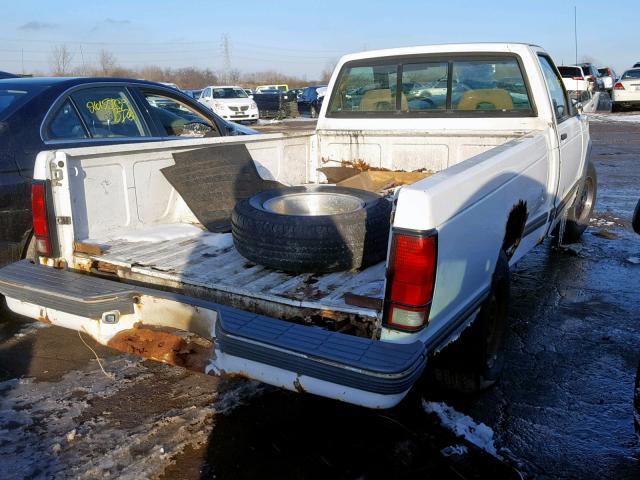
[499, 98]
[381, 100]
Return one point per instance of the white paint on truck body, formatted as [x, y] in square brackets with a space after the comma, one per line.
[484, 167]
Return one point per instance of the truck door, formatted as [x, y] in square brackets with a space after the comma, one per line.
[569, 130]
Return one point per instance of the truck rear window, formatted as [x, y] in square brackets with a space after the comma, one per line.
[431, 87]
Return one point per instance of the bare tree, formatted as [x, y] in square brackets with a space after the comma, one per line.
[107, 63]
[326, 73]
[60, 60]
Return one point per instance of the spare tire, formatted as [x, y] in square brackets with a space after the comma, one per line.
[319, 228]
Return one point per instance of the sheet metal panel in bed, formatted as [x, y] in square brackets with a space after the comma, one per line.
[195, 261]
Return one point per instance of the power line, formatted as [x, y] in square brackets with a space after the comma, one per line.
[200, 42]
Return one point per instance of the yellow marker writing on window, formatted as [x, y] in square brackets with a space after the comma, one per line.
[112, 110]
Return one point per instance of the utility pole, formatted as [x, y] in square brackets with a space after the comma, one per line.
[575, 29]
[84, 68]
[226, 55]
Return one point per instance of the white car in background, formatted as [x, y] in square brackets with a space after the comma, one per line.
[231, 103]
[626, 91]
[575, 82]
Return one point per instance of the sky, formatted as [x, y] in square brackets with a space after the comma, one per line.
[302, 37]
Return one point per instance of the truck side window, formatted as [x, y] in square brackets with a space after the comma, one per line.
[370, 88]
[556, 89]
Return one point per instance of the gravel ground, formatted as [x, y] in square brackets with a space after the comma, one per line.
[562, 410]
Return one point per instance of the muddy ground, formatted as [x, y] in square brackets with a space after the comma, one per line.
[563, 408]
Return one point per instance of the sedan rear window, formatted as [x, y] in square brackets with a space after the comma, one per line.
[431, 86]
[11, 99]
[631, 74]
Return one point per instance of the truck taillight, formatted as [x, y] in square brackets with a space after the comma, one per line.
[411, 278]
[577, 78]
[41, 231]
[618, 86]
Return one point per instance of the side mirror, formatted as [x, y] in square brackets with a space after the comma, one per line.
[636, 219]
[578, 106]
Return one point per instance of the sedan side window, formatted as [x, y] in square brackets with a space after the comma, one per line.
[66, 124]
[177, 117]
[109, 112]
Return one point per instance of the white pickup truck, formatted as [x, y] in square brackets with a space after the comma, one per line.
[122, 257]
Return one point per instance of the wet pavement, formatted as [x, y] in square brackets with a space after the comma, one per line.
[563, 408]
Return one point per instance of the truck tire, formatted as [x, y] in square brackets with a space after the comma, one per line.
[475, 361]
[579, 213]
[635, 221]
[636, 403]
[318, 228]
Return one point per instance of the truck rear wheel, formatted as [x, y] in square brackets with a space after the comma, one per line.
[475, 361]
[580, 211]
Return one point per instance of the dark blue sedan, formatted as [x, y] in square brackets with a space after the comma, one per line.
[39, 114]
[309, 102]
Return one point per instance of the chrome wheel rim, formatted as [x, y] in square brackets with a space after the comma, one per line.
[313, 204]
[585, 203]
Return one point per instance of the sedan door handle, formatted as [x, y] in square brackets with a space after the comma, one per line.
[563, 137]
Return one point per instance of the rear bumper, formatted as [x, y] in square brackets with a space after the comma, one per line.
[626, 97]
[628, 103]
[357, 370]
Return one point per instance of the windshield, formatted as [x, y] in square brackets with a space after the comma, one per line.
[570, 72]
[631, 74]
[492, 86]
[229, 92]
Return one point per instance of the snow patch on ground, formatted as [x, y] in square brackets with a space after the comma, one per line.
[606, 117]
[30, 328]
[285, 121]
[81, 427]
[462, 425]
[36, 418]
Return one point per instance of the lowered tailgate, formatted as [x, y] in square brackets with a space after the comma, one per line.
[366, 372]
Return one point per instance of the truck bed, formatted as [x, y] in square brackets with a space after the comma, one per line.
[208, 265]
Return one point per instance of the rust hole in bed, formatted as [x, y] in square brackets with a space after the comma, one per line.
[164, 345]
